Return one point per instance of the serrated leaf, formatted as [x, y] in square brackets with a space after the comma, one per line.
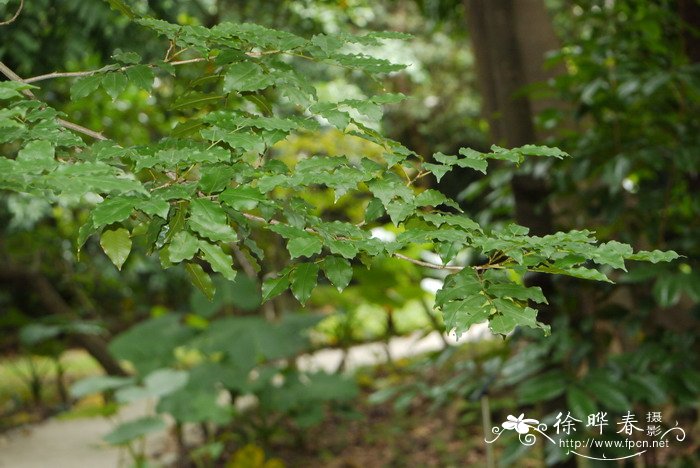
[114, 83]
[219, 260]
[655, 256]
[245, 76]
[85, 86]
[304, 279]
[516, 291]
[273, 287]
[510, 315]
[338, 271]
[113, 210]
[154, 207]
[209, 220]
[460, 315]
[242, 198]
[579, 403]
[36, 157]
[399, 210]
[195, 100]
[141, 75]
[122, 8]
[438, 170]
[183, 246]
[304, 246]
[117, 245]
[200, 279]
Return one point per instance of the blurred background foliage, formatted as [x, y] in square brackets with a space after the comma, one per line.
[623, 98]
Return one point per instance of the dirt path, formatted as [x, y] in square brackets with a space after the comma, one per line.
[77, 443]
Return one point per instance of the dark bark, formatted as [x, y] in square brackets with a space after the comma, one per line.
[689, 11]
[510, 40]
[55, 304]
[502, 74]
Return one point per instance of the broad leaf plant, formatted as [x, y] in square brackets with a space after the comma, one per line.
[198, 195]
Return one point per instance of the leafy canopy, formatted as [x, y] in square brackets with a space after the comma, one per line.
[198, 194]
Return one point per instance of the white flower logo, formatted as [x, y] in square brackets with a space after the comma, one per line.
[520, 424]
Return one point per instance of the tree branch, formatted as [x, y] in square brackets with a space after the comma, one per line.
[15, 16]
[434, 266]
[78, 74]
[5, 70]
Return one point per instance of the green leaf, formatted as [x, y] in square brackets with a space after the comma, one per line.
[220, 261]
[533, 150]
[97, 384]
[36, 157]
[126, 432]
[472, 159]
[511, 315]
[242, 198]
[85, 86]
[114, 83]
[122, 8]
[209, 220]
[304, 246]
[579, 403]
[245, 76]
[154, 207]
[117, 245]
[273, 287]
[607, 392]
[11, 89]
[200, 279]
[113, 210]
[655, 256]
[460, 315]
[517, 291]
[183, 246]
[141, 75]
[338, 271]
[195, 100]
[304, 278]
[398, 211]
[543, 387]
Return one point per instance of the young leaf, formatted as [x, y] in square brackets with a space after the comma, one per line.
[117, 245]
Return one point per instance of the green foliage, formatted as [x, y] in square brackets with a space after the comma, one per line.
[208, 207]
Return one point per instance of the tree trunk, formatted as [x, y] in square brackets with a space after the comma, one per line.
[54, 303]
[510, 39]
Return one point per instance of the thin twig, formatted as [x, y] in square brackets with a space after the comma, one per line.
[5, 70]
[80, 129]
[78, 74]
[15, 16]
